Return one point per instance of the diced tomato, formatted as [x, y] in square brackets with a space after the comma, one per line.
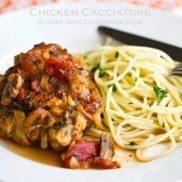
[35, 85]
[28, 67]
[59, 93]
[84, 150]
[93, 104]
[21, 94]
[59, 68]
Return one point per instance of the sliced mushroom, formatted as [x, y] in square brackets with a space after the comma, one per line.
[11, 89]
[44, 139]
[80, 124]
[38, 118]
[35, 135]
[6, 125]
[64, 135]
[35, 126]
[19, 136]
[106, 146]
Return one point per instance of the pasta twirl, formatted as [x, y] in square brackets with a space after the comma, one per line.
[143, 105]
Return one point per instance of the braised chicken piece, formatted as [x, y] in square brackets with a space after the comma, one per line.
[48, 99]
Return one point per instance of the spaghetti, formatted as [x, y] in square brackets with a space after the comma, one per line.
[143, 105]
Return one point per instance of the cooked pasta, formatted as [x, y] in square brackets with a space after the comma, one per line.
[143, 105]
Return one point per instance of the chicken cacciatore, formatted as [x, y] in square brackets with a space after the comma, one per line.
[49, 100]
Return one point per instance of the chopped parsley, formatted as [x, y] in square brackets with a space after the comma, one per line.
[160, 94]
[114, 88]
[132, 143]
[162, 57]
[135, 80]
[53, 53]
[88, 64]
[47, 108]
[62, 121]
[98, 67]
[151, 104]
[102, 73]
[163, 125]
[117, 54]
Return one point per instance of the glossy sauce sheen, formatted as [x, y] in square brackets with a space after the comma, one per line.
[52, 158]
[48, 157]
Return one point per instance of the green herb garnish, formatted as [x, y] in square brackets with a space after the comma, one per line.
[163, 125]
[47, 108]
[160, 94]
[114, 88]
[64, 119]
[117, 54]
[132, 143]
[102, 73]
[98, 67]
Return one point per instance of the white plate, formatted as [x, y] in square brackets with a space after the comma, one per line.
[21, 30]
